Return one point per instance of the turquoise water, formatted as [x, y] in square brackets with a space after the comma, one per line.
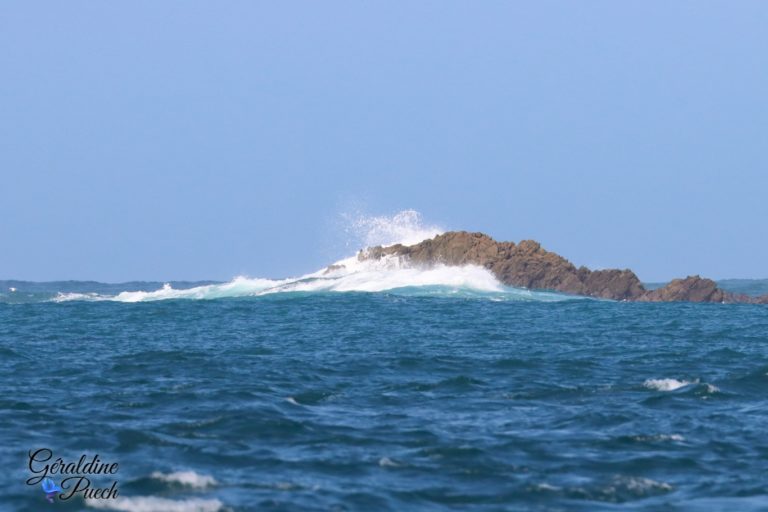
[395, 400]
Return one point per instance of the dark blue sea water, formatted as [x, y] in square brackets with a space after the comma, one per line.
[387, 401]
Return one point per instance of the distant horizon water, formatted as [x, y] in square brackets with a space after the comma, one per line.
[361, 230]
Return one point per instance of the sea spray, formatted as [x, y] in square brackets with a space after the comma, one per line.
[406, 227]
[353, 274]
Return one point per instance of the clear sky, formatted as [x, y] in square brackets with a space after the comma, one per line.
[202, 140]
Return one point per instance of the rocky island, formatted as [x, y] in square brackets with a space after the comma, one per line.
[527, 265]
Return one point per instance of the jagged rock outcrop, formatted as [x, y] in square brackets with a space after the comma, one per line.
[692, 289]
[697, 289]
[528, 265]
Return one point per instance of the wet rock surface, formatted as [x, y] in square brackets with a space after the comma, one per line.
[528, 265]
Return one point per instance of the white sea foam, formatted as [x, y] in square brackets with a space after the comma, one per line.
[642, 485]
[153, 504]
[665, 384]
[187, 478]
[660, 437]
[547, 487]
[673, 384]
[353, 274]
[387, 274]
[64, 297]
[386, 462]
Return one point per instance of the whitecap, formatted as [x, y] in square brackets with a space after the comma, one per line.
[74, 296]
[187, 478]
[665, 384]
[153, 504]
[547, 487]
[392, 275]
[386, 462]
[660, 437]
[642, 485]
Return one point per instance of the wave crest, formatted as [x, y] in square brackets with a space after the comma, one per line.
[389, 274]
[186, 478]
[153, 504]
[386, 275]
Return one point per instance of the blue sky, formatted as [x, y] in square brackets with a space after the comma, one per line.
[194, 140]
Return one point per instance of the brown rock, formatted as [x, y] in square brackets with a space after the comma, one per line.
[614, 284]
[690, 289]
[528, 265]
[525, 265]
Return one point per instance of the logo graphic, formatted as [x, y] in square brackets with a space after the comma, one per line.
[74, 476]
[50, 488]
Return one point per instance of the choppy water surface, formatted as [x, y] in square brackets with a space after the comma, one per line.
[391, 401]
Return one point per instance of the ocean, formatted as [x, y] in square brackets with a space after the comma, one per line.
[380, 389]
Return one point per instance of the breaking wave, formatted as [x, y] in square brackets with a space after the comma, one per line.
[674, 384]
[153, 504]
[665, 384]
[390, 274]
[350, 275]
[185, 478]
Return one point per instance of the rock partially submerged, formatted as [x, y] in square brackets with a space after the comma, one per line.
[528, 265]
[690, 289]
